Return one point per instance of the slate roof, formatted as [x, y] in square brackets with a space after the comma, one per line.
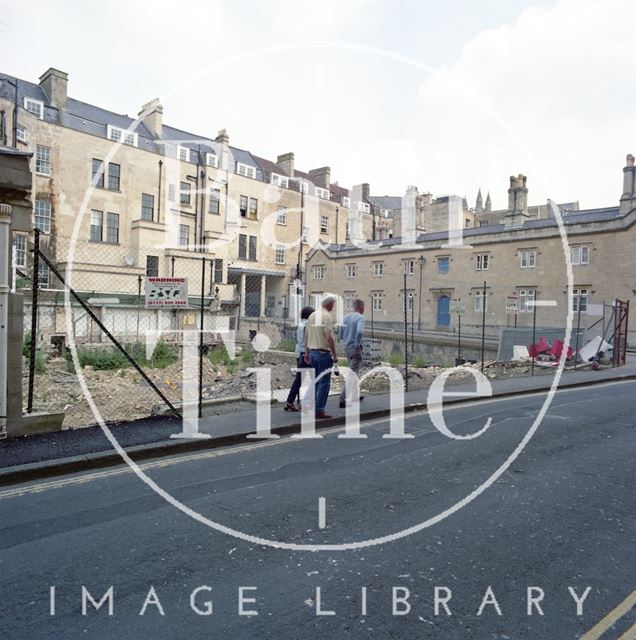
[386, 202]
[93, 120]
[572, 218]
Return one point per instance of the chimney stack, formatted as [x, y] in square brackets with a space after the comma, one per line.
[628, 199]
[517, 202]
[223, 140]
[55, 84]
[152, 117]
[286, 163]
[321, 176]
[222, 137]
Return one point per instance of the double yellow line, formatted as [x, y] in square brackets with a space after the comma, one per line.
[611, 618]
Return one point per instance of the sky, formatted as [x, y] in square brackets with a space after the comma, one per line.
[450, 96]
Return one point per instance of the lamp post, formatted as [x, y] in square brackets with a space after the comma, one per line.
[421, 260]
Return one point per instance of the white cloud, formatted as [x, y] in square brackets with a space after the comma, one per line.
[314, 19]
[551, 96]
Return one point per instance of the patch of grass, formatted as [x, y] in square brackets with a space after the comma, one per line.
[219, 355]
[287, 345]
[247, 358]
[100, 359]
[40, 358]
[419, 361]
[26, 345]
[109, 358]
[163, 356]
[396, 359]
[232, 366]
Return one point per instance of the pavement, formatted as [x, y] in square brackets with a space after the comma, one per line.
[559, 520]
[46, 455]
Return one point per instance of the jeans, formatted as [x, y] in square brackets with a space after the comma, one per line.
[354, 356]
[294, 392]
[322, 363]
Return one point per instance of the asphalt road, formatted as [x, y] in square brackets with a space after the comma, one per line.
[562, 515]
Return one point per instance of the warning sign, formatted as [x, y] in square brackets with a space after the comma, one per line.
[512, 305]
[166, 292]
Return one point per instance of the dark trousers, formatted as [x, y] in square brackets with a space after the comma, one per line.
[294, 392]
[322, 364]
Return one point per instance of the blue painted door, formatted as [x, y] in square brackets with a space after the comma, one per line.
[443, 311]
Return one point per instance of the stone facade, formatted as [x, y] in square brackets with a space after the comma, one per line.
[518, 257]
[126, 198]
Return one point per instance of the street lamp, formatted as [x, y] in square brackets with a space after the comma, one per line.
[421, 260]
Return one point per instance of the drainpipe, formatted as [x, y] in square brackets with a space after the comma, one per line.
[201, 177]
[3, 126]
[5, 221]
[159, 192]
[195, 179]
[15, 114]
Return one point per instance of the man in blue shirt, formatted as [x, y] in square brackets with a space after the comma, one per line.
[351, 333]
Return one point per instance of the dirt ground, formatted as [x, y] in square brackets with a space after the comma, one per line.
[124, 395]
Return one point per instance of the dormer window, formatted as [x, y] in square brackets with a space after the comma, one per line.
[183, 153]
[117, 134]
[322, 193]
[36, 107]
[245, 170]
[303, 186]
[364, 207]
[279, 181]
[346, 202]
[212, 160]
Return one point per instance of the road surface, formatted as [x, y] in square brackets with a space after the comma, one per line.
[560, 519]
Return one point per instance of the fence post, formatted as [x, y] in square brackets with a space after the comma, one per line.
[372, 303]
[406, 340]
[34, 316]
[534, 328]
[202, 319]
[7, 282]
[139, 279]
[412, 327]
[483, 325]
[578, 329]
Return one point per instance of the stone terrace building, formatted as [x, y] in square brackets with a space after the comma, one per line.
[141, 198]
[516, 255]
